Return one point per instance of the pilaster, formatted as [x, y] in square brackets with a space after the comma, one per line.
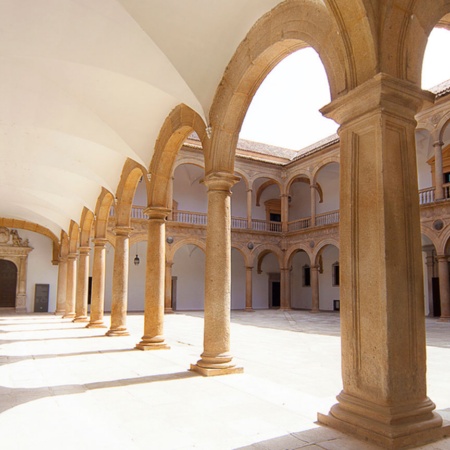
[168, 288]
[153, 338]
[444, 287]
[71, 286]
[62, 287]
[315, 304]
[216, 358]
[249, 288]
[382, 318]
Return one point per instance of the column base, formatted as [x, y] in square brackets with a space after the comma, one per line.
[168, 311]
[96, 325]
[80, 319]
[59, 313]
[391, 427]
[444, 319]
[314, 311]
[68, 316]
[152, 346]
[249, 310]
[207, 372]
[123, 332]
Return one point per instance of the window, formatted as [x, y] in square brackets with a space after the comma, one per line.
[335, 273]
[306, 275]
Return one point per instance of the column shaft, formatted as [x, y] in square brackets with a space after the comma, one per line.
[82, 286]
[119, 301]
[438, 170]
[98, 284]
[382, 313]
[153, 337]
[284, 212]
[62, 287]
[314, 270]
[216, 358]
[285, 291]
[71, 285]
[168, 289]
[313, 205]
[444, 287]
[249, 209]
[248, 289]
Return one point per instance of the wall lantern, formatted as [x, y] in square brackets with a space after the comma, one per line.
[137, 260]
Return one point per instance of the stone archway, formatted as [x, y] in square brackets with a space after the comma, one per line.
[13, 269]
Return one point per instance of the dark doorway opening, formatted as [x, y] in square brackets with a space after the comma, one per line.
[436, 297]
[275, 294]
[8, 284]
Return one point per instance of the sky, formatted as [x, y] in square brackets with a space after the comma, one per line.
[285, 110]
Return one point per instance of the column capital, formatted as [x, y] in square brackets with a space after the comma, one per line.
[220, 181]
[157, 212]
[442, 257]
[383, 91]
[72, 256]
[438, 143]
[100, 242]
[123, 231]
[84, 250]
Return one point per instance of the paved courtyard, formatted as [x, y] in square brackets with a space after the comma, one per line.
[63, 386]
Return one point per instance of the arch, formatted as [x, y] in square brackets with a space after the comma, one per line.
[292, 24]
[64, 248]
[405, 32]
[263, 187]
[444, 122]
[431, 237]
[30, 226]
[188, 160]
[172, 249]
[102, 208]
[73, 237]
[176, 128]
[302, 177]
[244, 177]
[443, 240]
[86, 227]
[290, 253]
[244, 252]
[131, 174]
[323, 163]
[319, 247]
[261, 251]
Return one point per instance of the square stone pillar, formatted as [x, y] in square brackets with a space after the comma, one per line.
[81, 301]
[382, 308]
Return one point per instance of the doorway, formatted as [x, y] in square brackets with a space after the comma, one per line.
[8, 284]
[274, 290]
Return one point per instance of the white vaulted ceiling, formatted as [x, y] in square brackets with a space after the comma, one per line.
[86, 84]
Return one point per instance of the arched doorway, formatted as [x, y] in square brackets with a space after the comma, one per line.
[8, 284]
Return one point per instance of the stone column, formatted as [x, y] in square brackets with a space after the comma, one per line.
[81, 303]
[71, 286]
[119, 301]
[382, 314]
[98, 284]
[216, 358]
[62, 287]
[314, 271]
[21, 296]
[249, 209]
[170, 198]
[168, 288]
[285, 291]
[430, 273]
[438, 171]
[153, 338]
[444, 287]
[313, 205]
[248, 289]
[284, 212]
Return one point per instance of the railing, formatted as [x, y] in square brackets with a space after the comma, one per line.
[300, 224]
[239, 222]
[327, 218]
[264, 225]
[446, 189]
[426, 196]
[137, 212]
[190, 217]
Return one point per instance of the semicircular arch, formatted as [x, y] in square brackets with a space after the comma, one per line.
[172, 249]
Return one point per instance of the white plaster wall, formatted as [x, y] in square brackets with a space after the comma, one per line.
[140, 196]
[328, 178]
[136, 277]
[300, 205]
[239, 200]
[238, 276]
[328, 292]
[187, 189]
[301, 296]
[189, 268]
[260, 281]
[40, 268]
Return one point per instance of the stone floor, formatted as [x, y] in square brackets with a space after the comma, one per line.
[63, 386]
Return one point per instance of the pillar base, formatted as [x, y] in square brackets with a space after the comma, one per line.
[68, 316]
[59, 313]
[168, 311]
[80, 319]
[123, 332]
[395, 427]
[249, 310]
[96, 325]
[207, 372]
[444, 319]
[152, 346]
